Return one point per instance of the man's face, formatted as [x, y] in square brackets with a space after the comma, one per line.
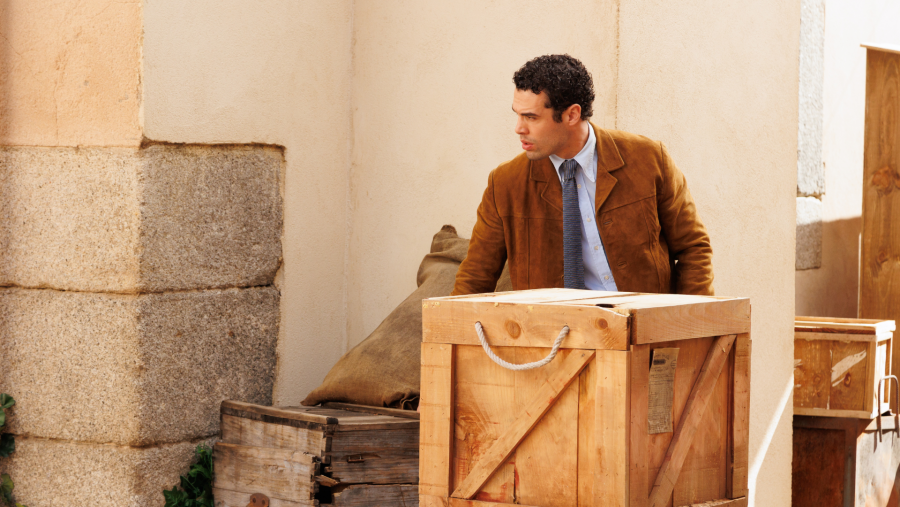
[540, 135]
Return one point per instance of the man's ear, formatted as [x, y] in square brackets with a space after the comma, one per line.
[572, 116]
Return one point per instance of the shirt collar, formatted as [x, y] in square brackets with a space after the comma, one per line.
[585, 157]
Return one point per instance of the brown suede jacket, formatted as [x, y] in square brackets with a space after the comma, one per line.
[653, 238]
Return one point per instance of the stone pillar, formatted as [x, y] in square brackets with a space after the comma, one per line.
[136, 278]
[810, 168]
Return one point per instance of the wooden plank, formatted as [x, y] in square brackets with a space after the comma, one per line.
[276, 473]
[367, 495]
[686, 321]
[684, 433]
[433, 501]
[879, 269]
[835, 325]
[812, 373]
[566, 372]
[638, 452]
[436, 406]
[531, 296]
[396, 412]
[322, 418]
[375, 469]
[725, 502]
[818, 467]
[546, 459]
[609, 448]
[237, 430]
[485, 405]
[458, 502]
[849, 378]
[588, 453]
[738, 461]
[841, 336]
[824, 412]
[396, 442]
[523, 325]
[228, 498]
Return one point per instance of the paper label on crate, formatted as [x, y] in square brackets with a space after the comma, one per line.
[662, 390]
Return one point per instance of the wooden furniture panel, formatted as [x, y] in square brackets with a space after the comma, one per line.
[575, 432]
[879, 283]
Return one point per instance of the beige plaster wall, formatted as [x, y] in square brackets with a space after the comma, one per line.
[431, 88]
[277, 72]
[832, 290]
[70, 73]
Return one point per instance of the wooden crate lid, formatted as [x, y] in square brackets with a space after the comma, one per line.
[328, 419]
[654, 317]
[863, 329]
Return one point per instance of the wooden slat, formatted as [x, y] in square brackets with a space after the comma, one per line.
[812, 373]
[566, 372]
[736, 484]
[684, 433]
[725, 502]
[824, 412]
[396, 412]
[609, 448]
[276, 473]
[530, 296]
[237, 430]
[433, 501]
[396, 442]
[638, 452]
[588, 454]
[458, 502]
[874, 326]
[523, 325]
[436, 406]
[843, 335]
[367, 495]
[376, 469]
[848, 379]
[546, 460]
[685, 321]
[228, 498]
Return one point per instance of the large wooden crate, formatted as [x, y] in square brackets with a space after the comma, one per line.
[838, 365]
[845, 462]
[308, 456]
[576, 432]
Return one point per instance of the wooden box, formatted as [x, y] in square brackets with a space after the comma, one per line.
[576, 432]
[838, 364]
[843, 462]
[307, 456]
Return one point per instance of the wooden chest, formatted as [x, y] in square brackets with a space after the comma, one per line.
[844, 462]
[838, 364]
[646, 403]
[307, 456]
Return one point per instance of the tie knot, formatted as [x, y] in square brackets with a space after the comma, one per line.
[568, 169]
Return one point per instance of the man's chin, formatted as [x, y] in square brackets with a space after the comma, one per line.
[535, 155]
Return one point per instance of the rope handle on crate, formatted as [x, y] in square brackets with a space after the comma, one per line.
[519, 367]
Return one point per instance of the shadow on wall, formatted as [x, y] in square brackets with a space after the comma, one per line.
[832, 290]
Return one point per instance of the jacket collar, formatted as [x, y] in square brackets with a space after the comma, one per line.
[608, 159]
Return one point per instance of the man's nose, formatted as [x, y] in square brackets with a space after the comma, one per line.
[520, 127]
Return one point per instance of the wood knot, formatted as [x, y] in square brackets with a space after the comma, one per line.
[883, 256]
[258, 500]
[602, 324]
[513, 328]
[847, 380]
[885, 179]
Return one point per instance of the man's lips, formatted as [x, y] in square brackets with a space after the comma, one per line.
[526, 145]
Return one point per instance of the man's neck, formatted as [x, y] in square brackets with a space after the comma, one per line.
[576, 142]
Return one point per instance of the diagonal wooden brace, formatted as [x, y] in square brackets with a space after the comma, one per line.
[687, 426]
[537, 407]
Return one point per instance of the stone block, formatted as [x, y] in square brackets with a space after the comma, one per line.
[53, 473]
[154, 219]
[809, 233]
[134, 369]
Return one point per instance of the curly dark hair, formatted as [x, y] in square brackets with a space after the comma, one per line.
[565, 80]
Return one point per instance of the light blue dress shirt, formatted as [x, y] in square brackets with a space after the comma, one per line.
[597, 275]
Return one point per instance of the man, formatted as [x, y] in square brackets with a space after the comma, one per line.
[583, 207]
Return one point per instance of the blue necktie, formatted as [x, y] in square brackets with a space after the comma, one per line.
[573, 263]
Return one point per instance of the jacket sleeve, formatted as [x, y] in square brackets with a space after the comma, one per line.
[484, 261]
[688, 241]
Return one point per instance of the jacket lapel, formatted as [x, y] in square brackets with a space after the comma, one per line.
[608, 160]
[544, 174]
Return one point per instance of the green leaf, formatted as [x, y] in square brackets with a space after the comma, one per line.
[7, 444]
[6, 488]
[6, 401]
[2, 418]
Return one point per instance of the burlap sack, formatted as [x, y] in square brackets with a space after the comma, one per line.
[383, 370]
